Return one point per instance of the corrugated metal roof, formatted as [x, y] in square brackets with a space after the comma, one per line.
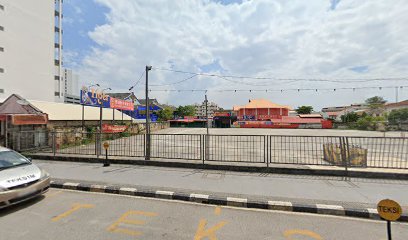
[73, 112]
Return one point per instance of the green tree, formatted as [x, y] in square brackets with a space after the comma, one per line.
[350, 117]
[398, 116]
[165, 114]
[376, 105]
[304, 110]
[370, 122]
[188, 110]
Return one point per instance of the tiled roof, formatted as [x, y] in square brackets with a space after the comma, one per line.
[398, 104]
[261, 103]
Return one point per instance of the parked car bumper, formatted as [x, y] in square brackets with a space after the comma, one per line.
[24, 193]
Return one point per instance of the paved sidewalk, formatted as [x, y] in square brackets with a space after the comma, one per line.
[354, 192]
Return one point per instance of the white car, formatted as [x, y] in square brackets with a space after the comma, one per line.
[20, 179]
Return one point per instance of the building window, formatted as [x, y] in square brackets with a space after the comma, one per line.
[1, 70]
[56, 78]
[57, 94]
[1, 49]
[1, 7]
[1, 90]
[1, 28]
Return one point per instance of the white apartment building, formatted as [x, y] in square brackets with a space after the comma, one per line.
[71, 81]
[30, 49]
[211, 108]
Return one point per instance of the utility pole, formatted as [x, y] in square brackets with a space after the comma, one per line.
[396, 94]
[148, 145]
[206, 113]
[208, 130]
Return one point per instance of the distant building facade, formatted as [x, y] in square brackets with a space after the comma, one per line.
[200, 109]
[31, 49]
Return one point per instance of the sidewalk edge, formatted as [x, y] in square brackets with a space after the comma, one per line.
[334, 210]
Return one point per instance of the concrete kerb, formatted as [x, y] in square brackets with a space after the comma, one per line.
[335, 210]
[355, 173]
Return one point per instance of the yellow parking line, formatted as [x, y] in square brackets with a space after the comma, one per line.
[114, 227]
[74, 208]
[217, 210]
[289, 233]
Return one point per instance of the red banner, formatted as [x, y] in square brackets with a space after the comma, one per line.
[222, 114]
[107, 128]
[121, 104]
[29, 119]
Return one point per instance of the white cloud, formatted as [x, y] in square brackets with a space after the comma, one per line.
[283, 39]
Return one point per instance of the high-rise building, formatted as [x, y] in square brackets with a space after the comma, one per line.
[200, 109]
[31, 49]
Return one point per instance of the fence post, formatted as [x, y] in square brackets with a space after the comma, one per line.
[343, 153]
[266, 150]
[54, 150]
[202, 148]
[97, 143]
[18, 141]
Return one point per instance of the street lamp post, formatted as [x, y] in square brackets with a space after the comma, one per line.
[99, 151]
[147, 157]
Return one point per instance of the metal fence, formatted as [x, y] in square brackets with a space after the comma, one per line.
[349, 152]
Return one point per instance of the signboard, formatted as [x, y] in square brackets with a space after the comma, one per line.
[29, 119]
[93, 97]
[222, 114]
[121, 104]
[389, 210]
[107, 128]
[106, 145]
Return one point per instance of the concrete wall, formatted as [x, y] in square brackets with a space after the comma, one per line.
[28, 42]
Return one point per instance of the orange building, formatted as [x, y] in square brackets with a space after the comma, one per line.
[261, 113]
[261, 110]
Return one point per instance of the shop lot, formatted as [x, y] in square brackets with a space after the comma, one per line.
[65, 214]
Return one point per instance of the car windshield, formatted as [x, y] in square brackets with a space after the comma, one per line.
[10, 159]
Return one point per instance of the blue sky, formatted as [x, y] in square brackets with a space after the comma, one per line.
[81, 17]
[110, 41]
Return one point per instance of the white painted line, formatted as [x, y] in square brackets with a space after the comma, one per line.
[237, 202]
[201, 196]
[334, 207]
[70, 185]
[280, 205]
[198, 198]
[164, 194]
[127, 191]
[330, 209]
[97, 188]
[373, 213]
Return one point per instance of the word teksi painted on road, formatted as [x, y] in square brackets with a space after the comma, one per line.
[123, 225]
[96, 98]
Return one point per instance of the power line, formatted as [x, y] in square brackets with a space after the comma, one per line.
[278, 90]
[140, 78]
[168, 84]
[338, 80]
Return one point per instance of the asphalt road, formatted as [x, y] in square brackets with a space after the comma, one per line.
[64, 215]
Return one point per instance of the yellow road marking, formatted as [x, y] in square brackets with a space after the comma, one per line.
[217, 211]
[289, 233]
[124, 219]
[75, 207]
[210, 233]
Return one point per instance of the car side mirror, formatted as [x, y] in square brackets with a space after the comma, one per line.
[29, 159]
